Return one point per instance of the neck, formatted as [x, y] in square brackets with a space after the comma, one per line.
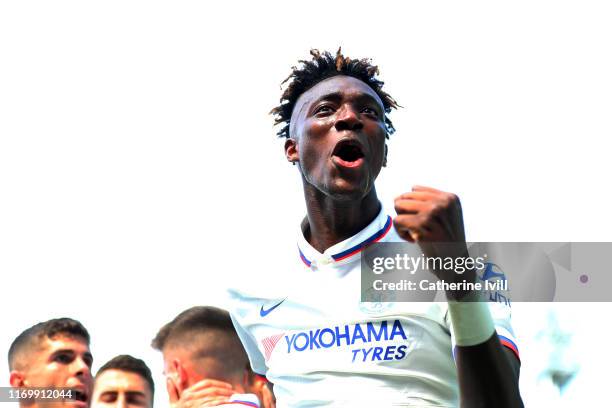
[330, 220]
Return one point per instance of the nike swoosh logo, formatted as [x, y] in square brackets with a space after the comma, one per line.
[489, 273]
[263, 312]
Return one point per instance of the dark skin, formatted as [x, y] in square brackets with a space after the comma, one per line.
[341, 200]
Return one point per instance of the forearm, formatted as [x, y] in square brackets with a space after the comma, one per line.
[488, 375]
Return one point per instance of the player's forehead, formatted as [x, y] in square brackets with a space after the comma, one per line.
[60, 341]
[337, 86]
[119, 380]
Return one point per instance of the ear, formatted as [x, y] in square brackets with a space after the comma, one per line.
[173, 393]
[384, 164]
[182, 380]
[291, 150]
[262, 388]
[17, 379]
[268, 399]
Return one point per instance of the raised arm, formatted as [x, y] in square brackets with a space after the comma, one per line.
[488, 373]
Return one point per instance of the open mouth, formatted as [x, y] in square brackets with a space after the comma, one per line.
[80, 396]
[348, 153]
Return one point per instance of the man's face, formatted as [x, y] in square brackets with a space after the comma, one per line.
[121, 389]
[338, 131]
[62, 362]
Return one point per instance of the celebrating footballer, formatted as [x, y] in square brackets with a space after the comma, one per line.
[314, 340]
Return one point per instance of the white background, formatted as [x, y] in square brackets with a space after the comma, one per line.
[140, 173]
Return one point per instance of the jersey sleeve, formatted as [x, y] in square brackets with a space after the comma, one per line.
[239, 313]
[501, 314]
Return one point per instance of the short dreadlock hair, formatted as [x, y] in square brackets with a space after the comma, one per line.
[324, 65]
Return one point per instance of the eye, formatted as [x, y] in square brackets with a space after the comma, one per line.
[370, 112]
[324, 109]
[108, 397]
[88, 360]
[63, 358]
[138, 400]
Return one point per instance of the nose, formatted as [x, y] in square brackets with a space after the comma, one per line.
[82, 369]
[348, 119]
[121, 401]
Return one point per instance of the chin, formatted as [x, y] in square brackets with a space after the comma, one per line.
[348, 192]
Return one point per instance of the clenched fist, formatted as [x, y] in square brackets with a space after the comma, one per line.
[433, 219]
[429, 215]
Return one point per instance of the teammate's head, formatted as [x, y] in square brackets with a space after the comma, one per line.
[335, 120]
[201, 343]
[123, 382]
[54, 353]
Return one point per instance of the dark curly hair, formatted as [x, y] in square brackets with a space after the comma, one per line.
[321, 66]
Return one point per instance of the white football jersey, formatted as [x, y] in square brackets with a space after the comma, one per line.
[321, 346]
[242, 401]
